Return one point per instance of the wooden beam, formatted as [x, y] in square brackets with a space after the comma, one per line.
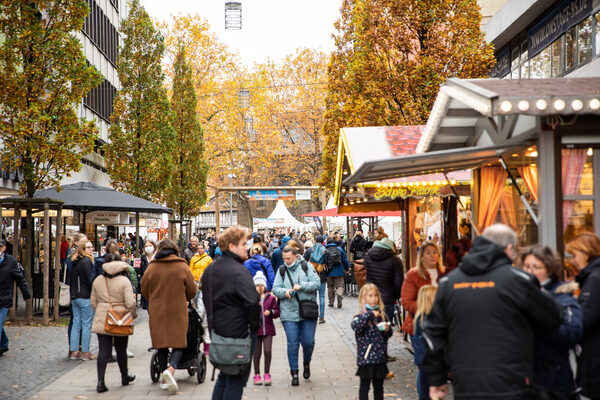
[46, 266]
[246, 188]
[57, 265]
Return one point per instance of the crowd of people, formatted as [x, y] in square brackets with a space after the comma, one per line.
[497, 321]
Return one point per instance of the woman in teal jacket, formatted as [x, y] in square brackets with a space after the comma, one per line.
[297, 330]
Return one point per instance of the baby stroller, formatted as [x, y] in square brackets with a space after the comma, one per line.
[193, 358]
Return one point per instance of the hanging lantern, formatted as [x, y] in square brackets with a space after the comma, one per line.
[252, 136]
[248, 124]
[233, 15]
[244, 98]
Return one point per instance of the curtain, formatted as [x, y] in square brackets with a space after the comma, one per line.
[529, 175]
[492, 183]
[507, 207]
[573, 162]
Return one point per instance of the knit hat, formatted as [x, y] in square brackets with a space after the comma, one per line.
[285, 240]
[385, 243]
[308, 244]
[260, 279]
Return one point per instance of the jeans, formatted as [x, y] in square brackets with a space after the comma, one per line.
[322, 299]
[422, 384]
[298, 332]
[3, 338]
[231, 387]
[83, 314]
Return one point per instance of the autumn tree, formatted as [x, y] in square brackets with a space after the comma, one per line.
[138, 157]
[43, 75]
[390, 59]
[186, 192]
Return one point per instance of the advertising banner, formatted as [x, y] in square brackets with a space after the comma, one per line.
[302, 194]
[271, 195]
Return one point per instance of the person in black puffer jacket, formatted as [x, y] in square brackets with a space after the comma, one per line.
[10, 272]
[585, 249]
[385, 270]
[83, 313]
[357, 246]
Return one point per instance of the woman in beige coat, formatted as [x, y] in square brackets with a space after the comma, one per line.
[116, 281]
[168, 285]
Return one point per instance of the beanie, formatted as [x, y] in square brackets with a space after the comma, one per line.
[260, 279]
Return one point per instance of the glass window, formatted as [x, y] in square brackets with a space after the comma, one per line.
[524, 61]
[514, 66]
[597, 18]
[570, 49]
[576, 171]
[540, 65]
[557, 57]
[584, 40]
[578, 217]
[586, 186]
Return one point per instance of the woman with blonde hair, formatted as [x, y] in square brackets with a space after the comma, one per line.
[424, 305]
[429, 268]
[258, 262]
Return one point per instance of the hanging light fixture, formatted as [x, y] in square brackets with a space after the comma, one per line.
[233, 15]
[248, 124]
[244, 98]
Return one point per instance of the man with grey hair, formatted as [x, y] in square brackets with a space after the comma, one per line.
[483, 321]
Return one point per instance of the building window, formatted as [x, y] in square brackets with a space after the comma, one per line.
[101, 99]
[98, 28]
[570, 49]
[557, 57]
[597, 27]
[524, 61]
[584, 40]
[514, 65]
[541, 64]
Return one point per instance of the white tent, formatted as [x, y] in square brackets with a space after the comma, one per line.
[280, 218]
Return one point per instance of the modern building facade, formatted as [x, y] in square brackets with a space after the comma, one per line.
[546, 39]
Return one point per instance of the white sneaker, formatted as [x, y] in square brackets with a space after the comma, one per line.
[171, 383]
[129, 354]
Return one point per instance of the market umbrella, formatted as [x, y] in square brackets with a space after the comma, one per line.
[88, 196]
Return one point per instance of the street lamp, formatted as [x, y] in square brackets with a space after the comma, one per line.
[233, 15]
[231, 178]
[244, 98]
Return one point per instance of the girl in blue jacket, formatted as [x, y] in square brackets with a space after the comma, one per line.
[372, 330]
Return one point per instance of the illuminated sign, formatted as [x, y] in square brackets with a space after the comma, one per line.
[401, 192]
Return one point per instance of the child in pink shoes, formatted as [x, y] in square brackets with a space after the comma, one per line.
[264, 336]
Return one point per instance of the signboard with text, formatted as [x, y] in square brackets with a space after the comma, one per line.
[271, 195]
[302, 194]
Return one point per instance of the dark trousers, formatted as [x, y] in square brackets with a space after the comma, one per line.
[363, 389]
[267, 342]
[105, 345]
[231, 387]
[163, 355]
[423, 384]
[389, 311]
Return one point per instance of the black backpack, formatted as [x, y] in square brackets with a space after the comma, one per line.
[333, 258]
[303, 264]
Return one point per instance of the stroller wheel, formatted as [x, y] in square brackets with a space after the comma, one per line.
[154, 368]
[201, 367]
[191, 371]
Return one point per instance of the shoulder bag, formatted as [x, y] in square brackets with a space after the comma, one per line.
[117, 323]
[64, 295]
[229, 355]
[309, 309]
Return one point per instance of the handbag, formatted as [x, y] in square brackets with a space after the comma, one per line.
[64, 294]
[117, 323]
[309, 309]
[231, 356]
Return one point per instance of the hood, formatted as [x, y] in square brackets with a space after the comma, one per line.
[567, 288]
[115, 267]
[484, 256]
[385, 243]
[379, 253]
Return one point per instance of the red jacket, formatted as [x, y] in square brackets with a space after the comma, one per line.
[64, 248]
[408, 297]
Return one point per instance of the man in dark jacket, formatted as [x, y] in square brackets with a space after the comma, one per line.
[385, 270]
[483, 321]
[10, 272]
[232, 303]
[191, 249]
[335, 275]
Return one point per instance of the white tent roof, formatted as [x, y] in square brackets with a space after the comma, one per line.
[280, 218]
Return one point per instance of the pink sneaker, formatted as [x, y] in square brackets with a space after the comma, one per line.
[257, 380]
[267, 379]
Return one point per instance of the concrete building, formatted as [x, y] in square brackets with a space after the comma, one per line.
[546, 39]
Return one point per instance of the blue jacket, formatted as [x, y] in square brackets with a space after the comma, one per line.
[339, 269]
[369, 337]
[277, 258]
[551, 368]
[418, 342]
[309, 284]
[253, 264]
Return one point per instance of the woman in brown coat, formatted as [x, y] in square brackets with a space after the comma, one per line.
[168, 285]
[429, 268]
[113, 287]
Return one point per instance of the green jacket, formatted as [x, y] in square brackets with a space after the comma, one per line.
[309, 284]
[133, 276]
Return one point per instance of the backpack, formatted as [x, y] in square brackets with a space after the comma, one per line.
[303, 264]
[333, 258]
[317, 257]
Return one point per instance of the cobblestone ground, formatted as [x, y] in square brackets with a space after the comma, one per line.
[37, 356]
